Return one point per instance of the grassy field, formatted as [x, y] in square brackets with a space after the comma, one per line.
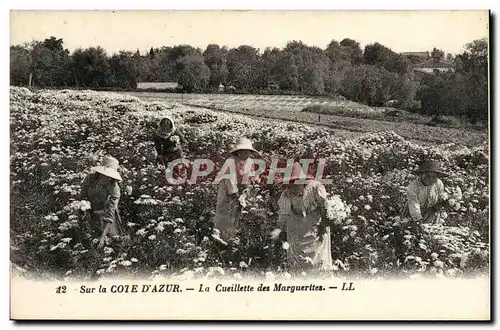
[356, 118]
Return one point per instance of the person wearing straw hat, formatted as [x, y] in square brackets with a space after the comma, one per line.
[228, 208]
[424, 193]
[100, 187]
[423, 197]
[302, 211]
[168, 141]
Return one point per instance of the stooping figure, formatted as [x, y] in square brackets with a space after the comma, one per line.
[425, 193]
[302, 211]
[423, 197]
[228, 208]
[168, 140]
[101, 189]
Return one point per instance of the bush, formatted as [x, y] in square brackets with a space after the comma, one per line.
[55, 140]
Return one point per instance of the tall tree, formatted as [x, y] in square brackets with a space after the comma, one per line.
[47, 63]
[215, 58]
[287, 72]
[370, 84]
[354, 50]
[472, 64]
[20, 62]
[379, 55]
[243, 68]
[437, 55]
[194, 74]
[90, 67]
[269, 61]
[124, 69]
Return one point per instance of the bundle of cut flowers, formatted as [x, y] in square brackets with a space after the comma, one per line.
[336, 210]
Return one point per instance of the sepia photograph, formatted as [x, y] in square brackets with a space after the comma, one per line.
[249, 151]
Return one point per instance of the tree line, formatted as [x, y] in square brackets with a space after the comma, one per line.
[375, 75]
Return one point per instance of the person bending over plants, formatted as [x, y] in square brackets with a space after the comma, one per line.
[168, 141]
[229, 199]
[101, 189]
[424, 197]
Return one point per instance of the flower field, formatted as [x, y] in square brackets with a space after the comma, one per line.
[344, 117]
[266, 102]
[56, 136]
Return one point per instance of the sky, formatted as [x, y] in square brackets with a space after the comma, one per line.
[402, 31]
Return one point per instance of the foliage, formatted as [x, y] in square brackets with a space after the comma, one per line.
[193, 73]
[373, 76]
[216, 60]
[58, 136]
[124, 68]
[463, 93]
[90, 67]
[369, 84]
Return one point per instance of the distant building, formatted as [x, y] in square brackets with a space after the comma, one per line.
[423, 55]
[159, 85]
[433, 70]
[431, 67]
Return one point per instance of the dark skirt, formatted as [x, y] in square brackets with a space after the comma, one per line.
[170, 156]
[96, 224]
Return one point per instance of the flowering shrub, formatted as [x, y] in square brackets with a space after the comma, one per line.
[57, 136]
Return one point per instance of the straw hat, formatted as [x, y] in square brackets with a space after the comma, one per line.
[431, 166]
[243, 144]
[108, 167]
[297, 174]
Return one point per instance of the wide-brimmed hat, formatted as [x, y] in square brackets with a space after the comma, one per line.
[243, 144]
[431, 166]
[297, 174]
[108, 167]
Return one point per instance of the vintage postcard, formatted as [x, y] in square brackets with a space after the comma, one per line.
[250, 165]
